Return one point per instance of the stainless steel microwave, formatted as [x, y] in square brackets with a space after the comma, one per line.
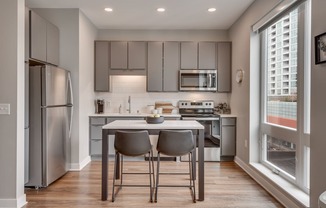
[198, 80]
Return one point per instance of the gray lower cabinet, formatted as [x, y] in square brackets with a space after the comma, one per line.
[101, 72]
[224, 67]
[44, 40]
[228, 136]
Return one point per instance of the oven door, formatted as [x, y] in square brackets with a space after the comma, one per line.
[197, 80]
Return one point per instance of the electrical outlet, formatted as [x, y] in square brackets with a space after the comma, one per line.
[5, 109]
[246, 143]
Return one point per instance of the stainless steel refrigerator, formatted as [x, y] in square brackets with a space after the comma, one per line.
[50, 121]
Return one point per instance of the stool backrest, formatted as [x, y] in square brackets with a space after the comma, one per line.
[175, 143]
[132, 143]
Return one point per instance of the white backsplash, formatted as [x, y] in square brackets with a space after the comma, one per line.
[135, 86]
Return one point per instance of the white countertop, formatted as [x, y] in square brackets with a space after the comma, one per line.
[142, 124]
[131, 115]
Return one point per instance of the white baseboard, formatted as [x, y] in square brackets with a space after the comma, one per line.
[13, 203]
[80, 166]
[286, 199]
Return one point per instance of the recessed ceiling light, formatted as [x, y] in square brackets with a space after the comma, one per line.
[160, 9]
[211, 9]
[108, 9]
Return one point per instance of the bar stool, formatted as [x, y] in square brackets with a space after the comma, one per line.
[132, 143]
[176, 143]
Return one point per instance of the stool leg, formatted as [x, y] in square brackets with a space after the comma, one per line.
[157, 176]
[150, 176]
[114, 175]
[193, 187]
[121, 171]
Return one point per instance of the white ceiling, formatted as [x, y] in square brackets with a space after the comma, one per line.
[142, 14]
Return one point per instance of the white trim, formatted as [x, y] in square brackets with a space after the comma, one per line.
[20, 202]
[80, 166]
[285, 192]
[280, 7]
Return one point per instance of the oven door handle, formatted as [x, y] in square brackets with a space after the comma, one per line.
[201, 118]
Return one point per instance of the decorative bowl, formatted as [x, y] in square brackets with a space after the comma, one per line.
[154, 120]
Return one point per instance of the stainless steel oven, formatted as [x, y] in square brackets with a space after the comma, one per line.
[197, 80]
[203, 112]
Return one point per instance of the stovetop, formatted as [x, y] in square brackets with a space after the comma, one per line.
[204, 108]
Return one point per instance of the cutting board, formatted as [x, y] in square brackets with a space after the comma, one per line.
[167, 107]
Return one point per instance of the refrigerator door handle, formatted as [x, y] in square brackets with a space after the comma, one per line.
[72, 101]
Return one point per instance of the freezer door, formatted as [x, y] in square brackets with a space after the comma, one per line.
[55, 136]
[54, 86]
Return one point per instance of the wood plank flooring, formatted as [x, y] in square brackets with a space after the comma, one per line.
[226, 185]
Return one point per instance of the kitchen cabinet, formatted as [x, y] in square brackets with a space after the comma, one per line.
[155, 67]
[189, 55]
[224, 67]
[137, 55]
[171, 66]
[44, 40]
[101, 72]
[163, 67]
[228, 136]
[118, 53]
[128, 55]
[207, 55]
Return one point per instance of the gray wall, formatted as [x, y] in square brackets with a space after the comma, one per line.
[318, 109]
[12, 92]
[239, 34]
[164, 35]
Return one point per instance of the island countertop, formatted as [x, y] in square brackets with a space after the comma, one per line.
[142, 124]
[132, 115]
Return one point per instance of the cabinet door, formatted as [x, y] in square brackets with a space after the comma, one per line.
[118, 55]
[38, 37]
[224, 67]
[207, 55]
[155, 69]
[171, 66]
[52, 44]
[101, 82]
[189, 55]
[137, 55]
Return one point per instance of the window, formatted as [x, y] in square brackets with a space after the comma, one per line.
[285, 109]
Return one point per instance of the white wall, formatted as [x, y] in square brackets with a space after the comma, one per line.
[87, 35]
[12, 21]
[123, 86]
[318, 109]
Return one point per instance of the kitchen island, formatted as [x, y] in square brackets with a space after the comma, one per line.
[154, 129]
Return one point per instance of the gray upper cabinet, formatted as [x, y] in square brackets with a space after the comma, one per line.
[189, 55]
[207, 55]
[118, 55]
[224, 67]
[44, 40]
[136, 55]
[155, 67]
[38, 37]
[171, 66]
[101, 76]
[52, 44]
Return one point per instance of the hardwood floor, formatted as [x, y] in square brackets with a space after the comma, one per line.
[226, 185]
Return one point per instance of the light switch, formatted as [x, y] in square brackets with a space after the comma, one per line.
[5, 109]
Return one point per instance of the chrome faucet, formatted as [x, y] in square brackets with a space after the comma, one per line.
[129, 104]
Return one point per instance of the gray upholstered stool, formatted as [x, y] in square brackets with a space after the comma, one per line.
[132, 143]
[176, 143]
